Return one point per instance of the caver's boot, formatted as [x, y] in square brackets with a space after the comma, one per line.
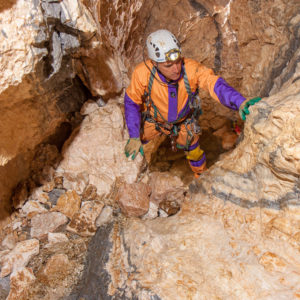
[196, 175]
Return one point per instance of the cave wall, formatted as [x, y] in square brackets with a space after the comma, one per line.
[55, 54]
[39, 89]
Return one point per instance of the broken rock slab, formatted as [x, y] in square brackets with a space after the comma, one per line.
[83, 222]
[9, 242]
[166, 186]
[32, 208]
[42, 224]
[20, 284]
[68, 204]
[19, 256]
[105, 216]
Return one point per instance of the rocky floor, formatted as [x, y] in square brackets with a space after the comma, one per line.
[44, 249]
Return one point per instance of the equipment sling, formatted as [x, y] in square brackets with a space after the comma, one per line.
[189, 115]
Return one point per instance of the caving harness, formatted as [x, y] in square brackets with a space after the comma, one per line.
[188, 117]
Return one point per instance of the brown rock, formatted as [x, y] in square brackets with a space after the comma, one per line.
[42, 224]
[20, 195]
[165, 186]
[49, 186]
[68, 204]
[20, 284]
[133, 199]
[55, 270]
[229, 140]
[90, 193]
[58, 180]
[83, 222]
[273, 262]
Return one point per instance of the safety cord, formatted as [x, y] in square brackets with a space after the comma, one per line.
[172, 127]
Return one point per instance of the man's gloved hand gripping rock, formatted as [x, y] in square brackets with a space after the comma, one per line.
[133, 147]
[244, 108]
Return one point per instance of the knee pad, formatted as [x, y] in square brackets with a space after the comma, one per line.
[195, 154]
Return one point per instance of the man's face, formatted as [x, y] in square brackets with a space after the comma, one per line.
[170, 69]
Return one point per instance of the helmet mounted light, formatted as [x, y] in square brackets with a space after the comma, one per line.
[173, 55]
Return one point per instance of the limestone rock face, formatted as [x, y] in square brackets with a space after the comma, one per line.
[95, 153]
[263, 171]
[47, 46]
[38, 84]
[236, 235]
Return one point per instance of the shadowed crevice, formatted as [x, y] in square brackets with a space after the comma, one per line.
[7, 4]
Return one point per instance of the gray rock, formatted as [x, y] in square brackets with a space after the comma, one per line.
[95, 280]
[54, 195]
[4, 287]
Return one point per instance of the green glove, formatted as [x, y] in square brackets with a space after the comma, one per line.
[243, 110]
[134, 146]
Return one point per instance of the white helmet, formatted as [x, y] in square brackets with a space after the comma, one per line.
[162, 46]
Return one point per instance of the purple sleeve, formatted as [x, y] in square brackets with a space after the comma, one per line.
[132, 117]
[227, 95]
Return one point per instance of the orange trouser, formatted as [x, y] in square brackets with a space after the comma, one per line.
[150, 133]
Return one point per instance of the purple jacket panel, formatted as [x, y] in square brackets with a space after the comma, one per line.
[228, 95]
[132, 117]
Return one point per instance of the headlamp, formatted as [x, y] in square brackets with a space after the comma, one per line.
[173, 55]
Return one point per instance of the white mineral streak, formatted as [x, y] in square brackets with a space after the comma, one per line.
[77, 14]
[97, 150]
[229, 34]
[118, 34]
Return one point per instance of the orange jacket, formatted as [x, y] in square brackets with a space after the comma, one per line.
[169, 98]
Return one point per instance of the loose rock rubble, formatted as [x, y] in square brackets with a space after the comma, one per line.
[44, 246]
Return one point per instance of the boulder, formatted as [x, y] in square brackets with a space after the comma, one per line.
[95, 155]
[134, 199]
